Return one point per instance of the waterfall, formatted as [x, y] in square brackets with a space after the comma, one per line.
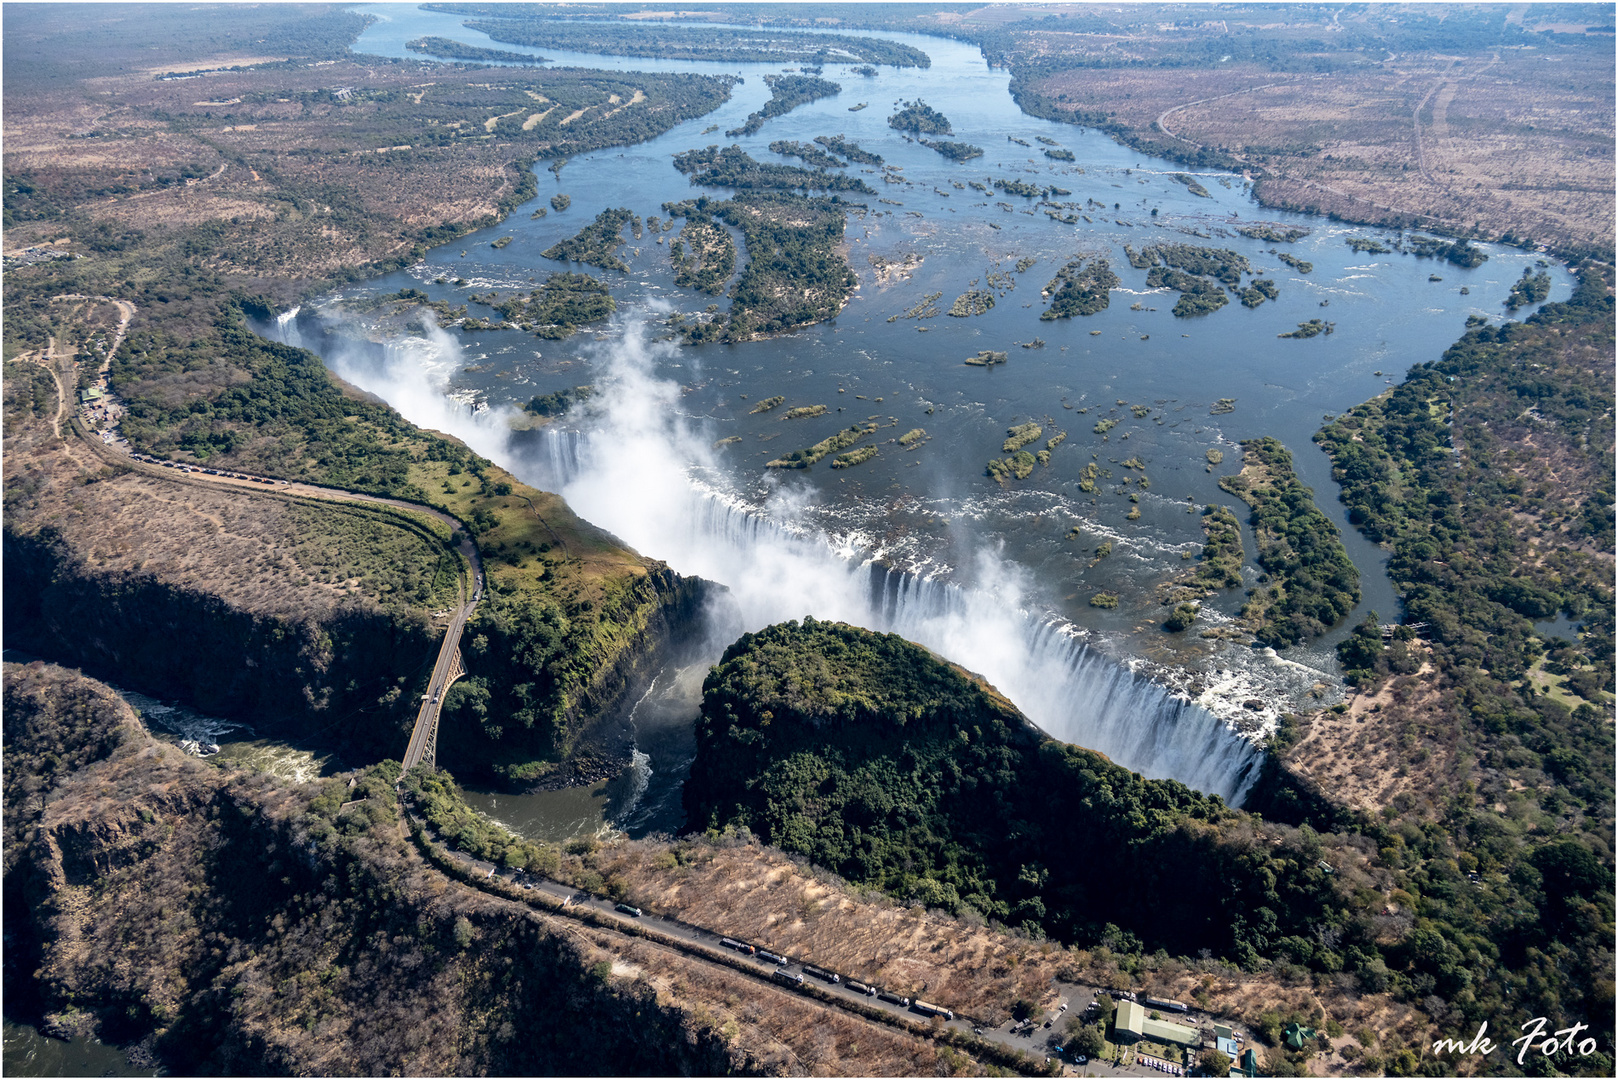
[776, 570]
[642, 471]
[1072, 690]
[286, 330]
[556, 457]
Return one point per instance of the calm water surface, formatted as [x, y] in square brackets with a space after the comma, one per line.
[28, 1053]
[931, 509]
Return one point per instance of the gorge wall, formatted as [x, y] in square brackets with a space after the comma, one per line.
[243, 925]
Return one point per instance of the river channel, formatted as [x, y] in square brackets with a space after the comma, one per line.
[920, 540]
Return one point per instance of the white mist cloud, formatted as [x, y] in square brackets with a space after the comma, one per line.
[647, 474]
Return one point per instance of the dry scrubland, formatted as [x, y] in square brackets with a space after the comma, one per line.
[762, 896]
[258, 553]
[1397, 744]
[755, 893]
[1468, 117]
[296, 169]
[1377, 749]
[330, 175]
[356, 957]
[1510, 142]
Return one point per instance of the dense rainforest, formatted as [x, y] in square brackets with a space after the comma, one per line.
[875, 759]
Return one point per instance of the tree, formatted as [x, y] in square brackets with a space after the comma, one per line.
[1214, 1063]
[1086, 1040]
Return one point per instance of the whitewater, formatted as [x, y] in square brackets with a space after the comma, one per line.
[630, 462]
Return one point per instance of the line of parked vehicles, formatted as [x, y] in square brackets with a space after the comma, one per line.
[781, 974]
[795, 979]
[201, 469]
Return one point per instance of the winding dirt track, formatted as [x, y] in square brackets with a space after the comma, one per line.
[446, 669]
[559, 900]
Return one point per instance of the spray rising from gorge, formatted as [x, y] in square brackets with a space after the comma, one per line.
[635, 465]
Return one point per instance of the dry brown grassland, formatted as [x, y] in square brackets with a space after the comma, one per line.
[1367, 755]
[258, 553]
[760, 895]
[1516, 140]
[293, 182]
[142, 825]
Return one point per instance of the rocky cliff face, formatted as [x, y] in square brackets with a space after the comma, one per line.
[312, 621]
[347, 671]
[234, 923]
[667, 611]
[550, 685]
[341, 671]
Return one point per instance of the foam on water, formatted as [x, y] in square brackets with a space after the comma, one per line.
[634, 465]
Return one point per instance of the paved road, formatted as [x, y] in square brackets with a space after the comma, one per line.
[424, 736]
[107, 442]
[1038, 1042]
[447, 668]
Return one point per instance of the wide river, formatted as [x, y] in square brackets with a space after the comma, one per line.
[920, 540]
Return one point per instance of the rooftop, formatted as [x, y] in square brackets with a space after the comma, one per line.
[1132, 1020]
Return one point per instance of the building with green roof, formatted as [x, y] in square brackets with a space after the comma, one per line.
[1133, 1022]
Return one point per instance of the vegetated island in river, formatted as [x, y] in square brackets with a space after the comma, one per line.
[1310, 583]
[559, 307]
[787, 92]
[690, 42]
[795, 274]
[919, 118]
[1079, 288]
[1309, 329]
[850, 150]
[971, 302]
[734, 167]
[1218, 567]
[1194, 272]
[955, 151]
[1531, 288]
[803, 459]
[450, 49]
[704, 254]
[1277, 234]
[811, 154]
[1190, 183]
[597, 243]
